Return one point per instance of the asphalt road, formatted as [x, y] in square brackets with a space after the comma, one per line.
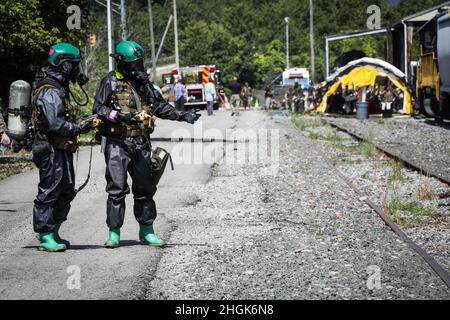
[26, 273]
[287, 228]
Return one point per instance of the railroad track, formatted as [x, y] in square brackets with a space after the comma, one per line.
[391, 153]
[441, 272]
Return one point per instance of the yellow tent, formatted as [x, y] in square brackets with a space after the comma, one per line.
[364, 76]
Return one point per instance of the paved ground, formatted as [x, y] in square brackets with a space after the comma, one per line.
[235, 231]
[29, 274]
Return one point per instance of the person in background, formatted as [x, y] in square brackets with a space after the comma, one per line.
[166, 92]
[246, 95]
[297, 99]
[303, 102]
[236, 89]
[289, 97]
[4, 139]
[310, 97]
[387, 98]
[180, 94]
[350, 100]
[222, 96]
[398, 102]
[268, 98]
[210, 92]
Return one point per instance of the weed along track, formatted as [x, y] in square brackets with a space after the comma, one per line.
[408, 162]
[410, 199]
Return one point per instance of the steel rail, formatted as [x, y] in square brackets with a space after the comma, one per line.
[435, 266]
[408, 163]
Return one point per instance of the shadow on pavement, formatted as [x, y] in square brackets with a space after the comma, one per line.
[73, 247]
[169, 245]
[124, 244]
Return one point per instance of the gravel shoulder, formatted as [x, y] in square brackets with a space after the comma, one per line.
[420, 141]
[418, 203]
[302, 234]
[14, 163]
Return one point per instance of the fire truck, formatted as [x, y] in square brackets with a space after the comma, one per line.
[195, 79]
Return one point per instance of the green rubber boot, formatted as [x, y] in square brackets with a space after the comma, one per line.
[114, 239]
[147, 236]
[49, 244]
[58, 239]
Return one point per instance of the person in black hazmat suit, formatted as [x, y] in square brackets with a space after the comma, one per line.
[54, 144]
[125, 101]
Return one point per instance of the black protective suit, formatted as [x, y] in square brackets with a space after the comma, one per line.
[56, 187]
[131, 154]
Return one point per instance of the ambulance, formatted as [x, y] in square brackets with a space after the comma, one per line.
[296, 75]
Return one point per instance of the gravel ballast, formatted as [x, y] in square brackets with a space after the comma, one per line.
[302, 234]
[419, 141]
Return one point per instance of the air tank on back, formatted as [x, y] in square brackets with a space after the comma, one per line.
[19, 103]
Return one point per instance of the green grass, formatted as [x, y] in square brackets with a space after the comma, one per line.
[368, 149]
[304, 123]
[365, 176]
[400, 221]
[345, 160]
[334, 138]
[416, 209]
[396, 174]
[337, 141]
[314, 135]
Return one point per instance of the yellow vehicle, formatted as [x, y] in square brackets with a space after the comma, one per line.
[433, 71]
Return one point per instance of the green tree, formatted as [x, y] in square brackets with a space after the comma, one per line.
[29, 28]
[269, 62]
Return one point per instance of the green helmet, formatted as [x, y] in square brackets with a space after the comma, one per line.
[63, 52]
[129, 51]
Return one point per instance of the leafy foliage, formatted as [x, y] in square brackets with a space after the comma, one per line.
[29, 28]
[245, 38]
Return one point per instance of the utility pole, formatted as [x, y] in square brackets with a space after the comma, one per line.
[164, 37]
[152, 39]
[123, 19]
[287, 42]
[175, 25]
[110, 34]
[311, 28]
